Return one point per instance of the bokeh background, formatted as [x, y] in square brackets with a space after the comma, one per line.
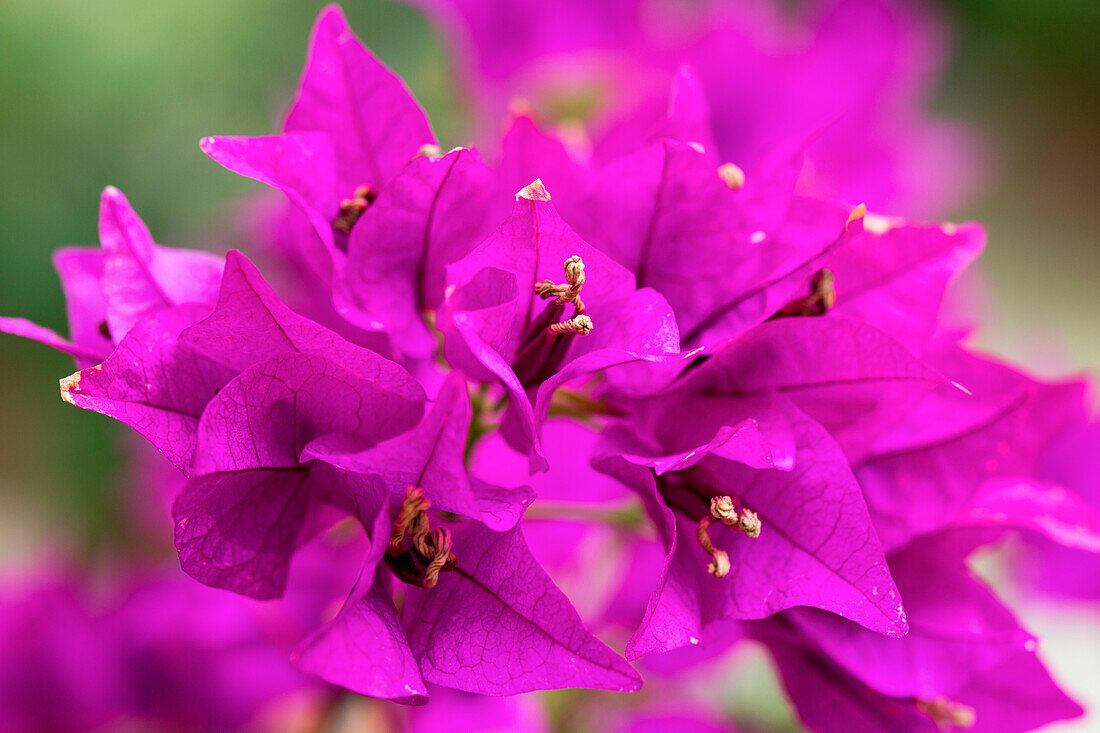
[120, 91]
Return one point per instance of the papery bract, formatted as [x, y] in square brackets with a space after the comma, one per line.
[498, 625]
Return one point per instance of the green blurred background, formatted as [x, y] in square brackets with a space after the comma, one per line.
[120, 91]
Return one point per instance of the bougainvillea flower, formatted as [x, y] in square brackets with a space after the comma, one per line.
[673, 217]
[894, 274]
[162, 375]
[166, 653]
[352, 128]
[766, 77]
[781, 538]
[505, 320]
[966, 662]
[734, 395]
[484, 618]
[129, 277]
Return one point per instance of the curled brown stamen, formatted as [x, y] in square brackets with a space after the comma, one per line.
[719, 565]
[414, 545]
[412, 519]
[581, 324]
[436, 545]
[724, 509]
[566, 293]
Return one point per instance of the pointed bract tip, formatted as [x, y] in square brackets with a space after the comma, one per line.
[69, 385]
[857, 213]
[332, 12]
[534, 191]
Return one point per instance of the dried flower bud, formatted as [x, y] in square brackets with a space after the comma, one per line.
[733, 176]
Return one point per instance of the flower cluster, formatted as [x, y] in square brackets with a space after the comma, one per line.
[711, 402]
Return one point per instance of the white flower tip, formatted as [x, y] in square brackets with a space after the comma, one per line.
[534, 191]
[879, 224]
[69, 385]
[732, 175]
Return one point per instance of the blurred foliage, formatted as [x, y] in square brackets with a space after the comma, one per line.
[1025, 74]
[120, 91]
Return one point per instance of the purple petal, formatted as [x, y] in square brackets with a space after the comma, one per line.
[928, 473]
[666, 214]
[301, 165]
[364, 648]
[529, 153]
[29, 330]
[742, 443]
[430, 215]
[372, 119]
[817, 548]
[251, 324]
[825, 365]
[81, 273]
[154, 383]
[265, 417]
[958, 630]
[497, 625]
[432, 457]
[239, 529]
[893, 275]
[139, 277]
